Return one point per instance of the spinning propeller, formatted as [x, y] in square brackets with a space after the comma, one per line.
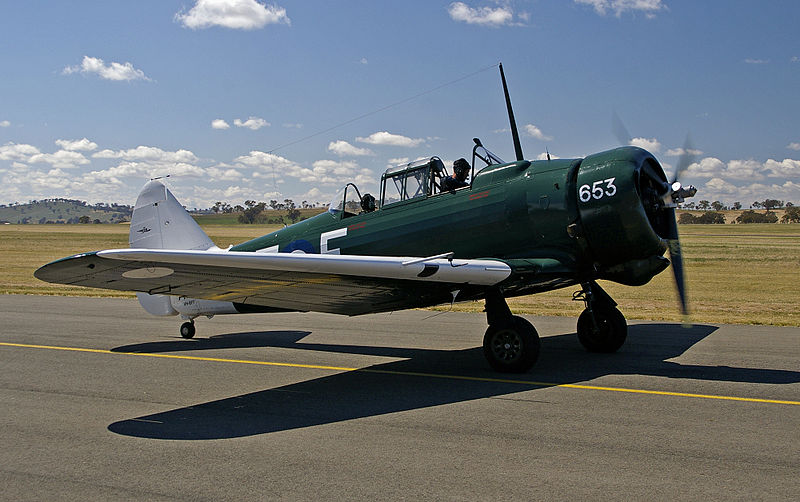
[670, 194]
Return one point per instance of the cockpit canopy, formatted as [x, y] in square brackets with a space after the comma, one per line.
[349, 202]
[415, 180]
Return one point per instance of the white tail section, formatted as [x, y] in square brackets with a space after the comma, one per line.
[159, 221]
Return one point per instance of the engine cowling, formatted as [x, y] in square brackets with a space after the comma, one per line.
[623, 220]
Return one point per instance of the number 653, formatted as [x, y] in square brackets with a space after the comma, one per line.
[596, 190]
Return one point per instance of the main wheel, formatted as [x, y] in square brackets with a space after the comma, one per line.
[607, 335]
[512, 347]
[187, 329]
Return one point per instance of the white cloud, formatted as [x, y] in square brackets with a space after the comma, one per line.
[292, 126]
[534, 132]
[77, 145]
[54, 179]
[706, 168]
[5, 123]
[14, 151]
[123, 170]
[252, 123]
[484, 16]
[648, 7]
[649, 144]
[344, 149]
[744, 170]
[112, 71]
[233, 14]
[720, 187]
[148, 154]
[62, 159]
[387, 138]
[146, 170]
[328, 171]
[268, 163]
[756, 61]
[788, 168]
[315, 195]
[677, 152]
[793, 146]
[339, 168]
[221, 174]
[363, 61]
[219, 124]
[272, 168]
[795, 59]
[341, 172]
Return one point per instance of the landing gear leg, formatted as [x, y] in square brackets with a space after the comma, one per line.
[601, 326]
[187, 329]
[511, 343]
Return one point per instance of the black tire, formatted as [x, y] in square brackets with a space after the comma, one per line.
[187, 330]
[610, 333]
[512, 347]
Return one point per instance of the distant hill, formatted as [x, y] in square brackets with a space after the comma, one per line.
[64, 211]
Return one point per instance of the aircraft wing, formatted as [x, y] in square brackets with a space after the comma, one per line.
[341, 284]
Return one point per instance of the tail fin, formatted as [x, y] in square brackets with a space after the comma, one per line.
[159, 221]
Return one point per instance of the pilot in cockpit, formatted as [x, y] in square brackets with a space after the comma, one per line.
[459, 177]
[367, 203]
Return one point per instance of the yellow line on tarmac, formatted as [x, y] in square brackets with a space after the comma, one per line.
[410, 373]
[171, 356]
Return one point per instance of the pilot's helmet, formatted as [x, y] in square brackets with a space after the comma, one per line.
[461, 167]
[368, 203]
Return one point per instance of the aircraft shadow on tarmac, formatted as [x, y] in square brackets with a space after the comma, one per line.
[384, 388]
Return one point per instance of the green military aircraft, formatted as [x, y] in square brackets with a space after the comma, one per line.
[517, 228]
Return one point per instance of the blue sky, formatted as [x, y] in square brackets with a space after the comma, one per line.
[239, 99]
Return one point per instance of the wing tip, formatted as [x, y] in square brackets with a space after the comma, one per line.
[50, 271]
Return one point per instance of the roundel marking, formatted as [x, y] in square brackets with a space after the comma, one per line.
[148, 273]
[299, 245]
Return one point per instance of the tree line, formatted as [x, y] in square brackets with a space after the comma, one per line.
[713, 216]
[256, 212]
[224, 207]
[705, 205]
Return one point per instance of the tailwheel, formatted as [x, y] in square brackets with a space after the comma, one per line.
[602, 329]
[511, 347]
[187, 329]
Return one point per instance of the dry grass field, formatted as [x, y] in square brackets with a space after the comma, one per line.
[736, 273]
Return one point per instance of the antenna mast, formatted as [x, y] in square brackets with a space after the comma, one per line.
[512, 122]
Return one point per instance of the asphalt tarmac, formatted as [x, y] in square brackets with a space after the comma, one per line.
[388, 406]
